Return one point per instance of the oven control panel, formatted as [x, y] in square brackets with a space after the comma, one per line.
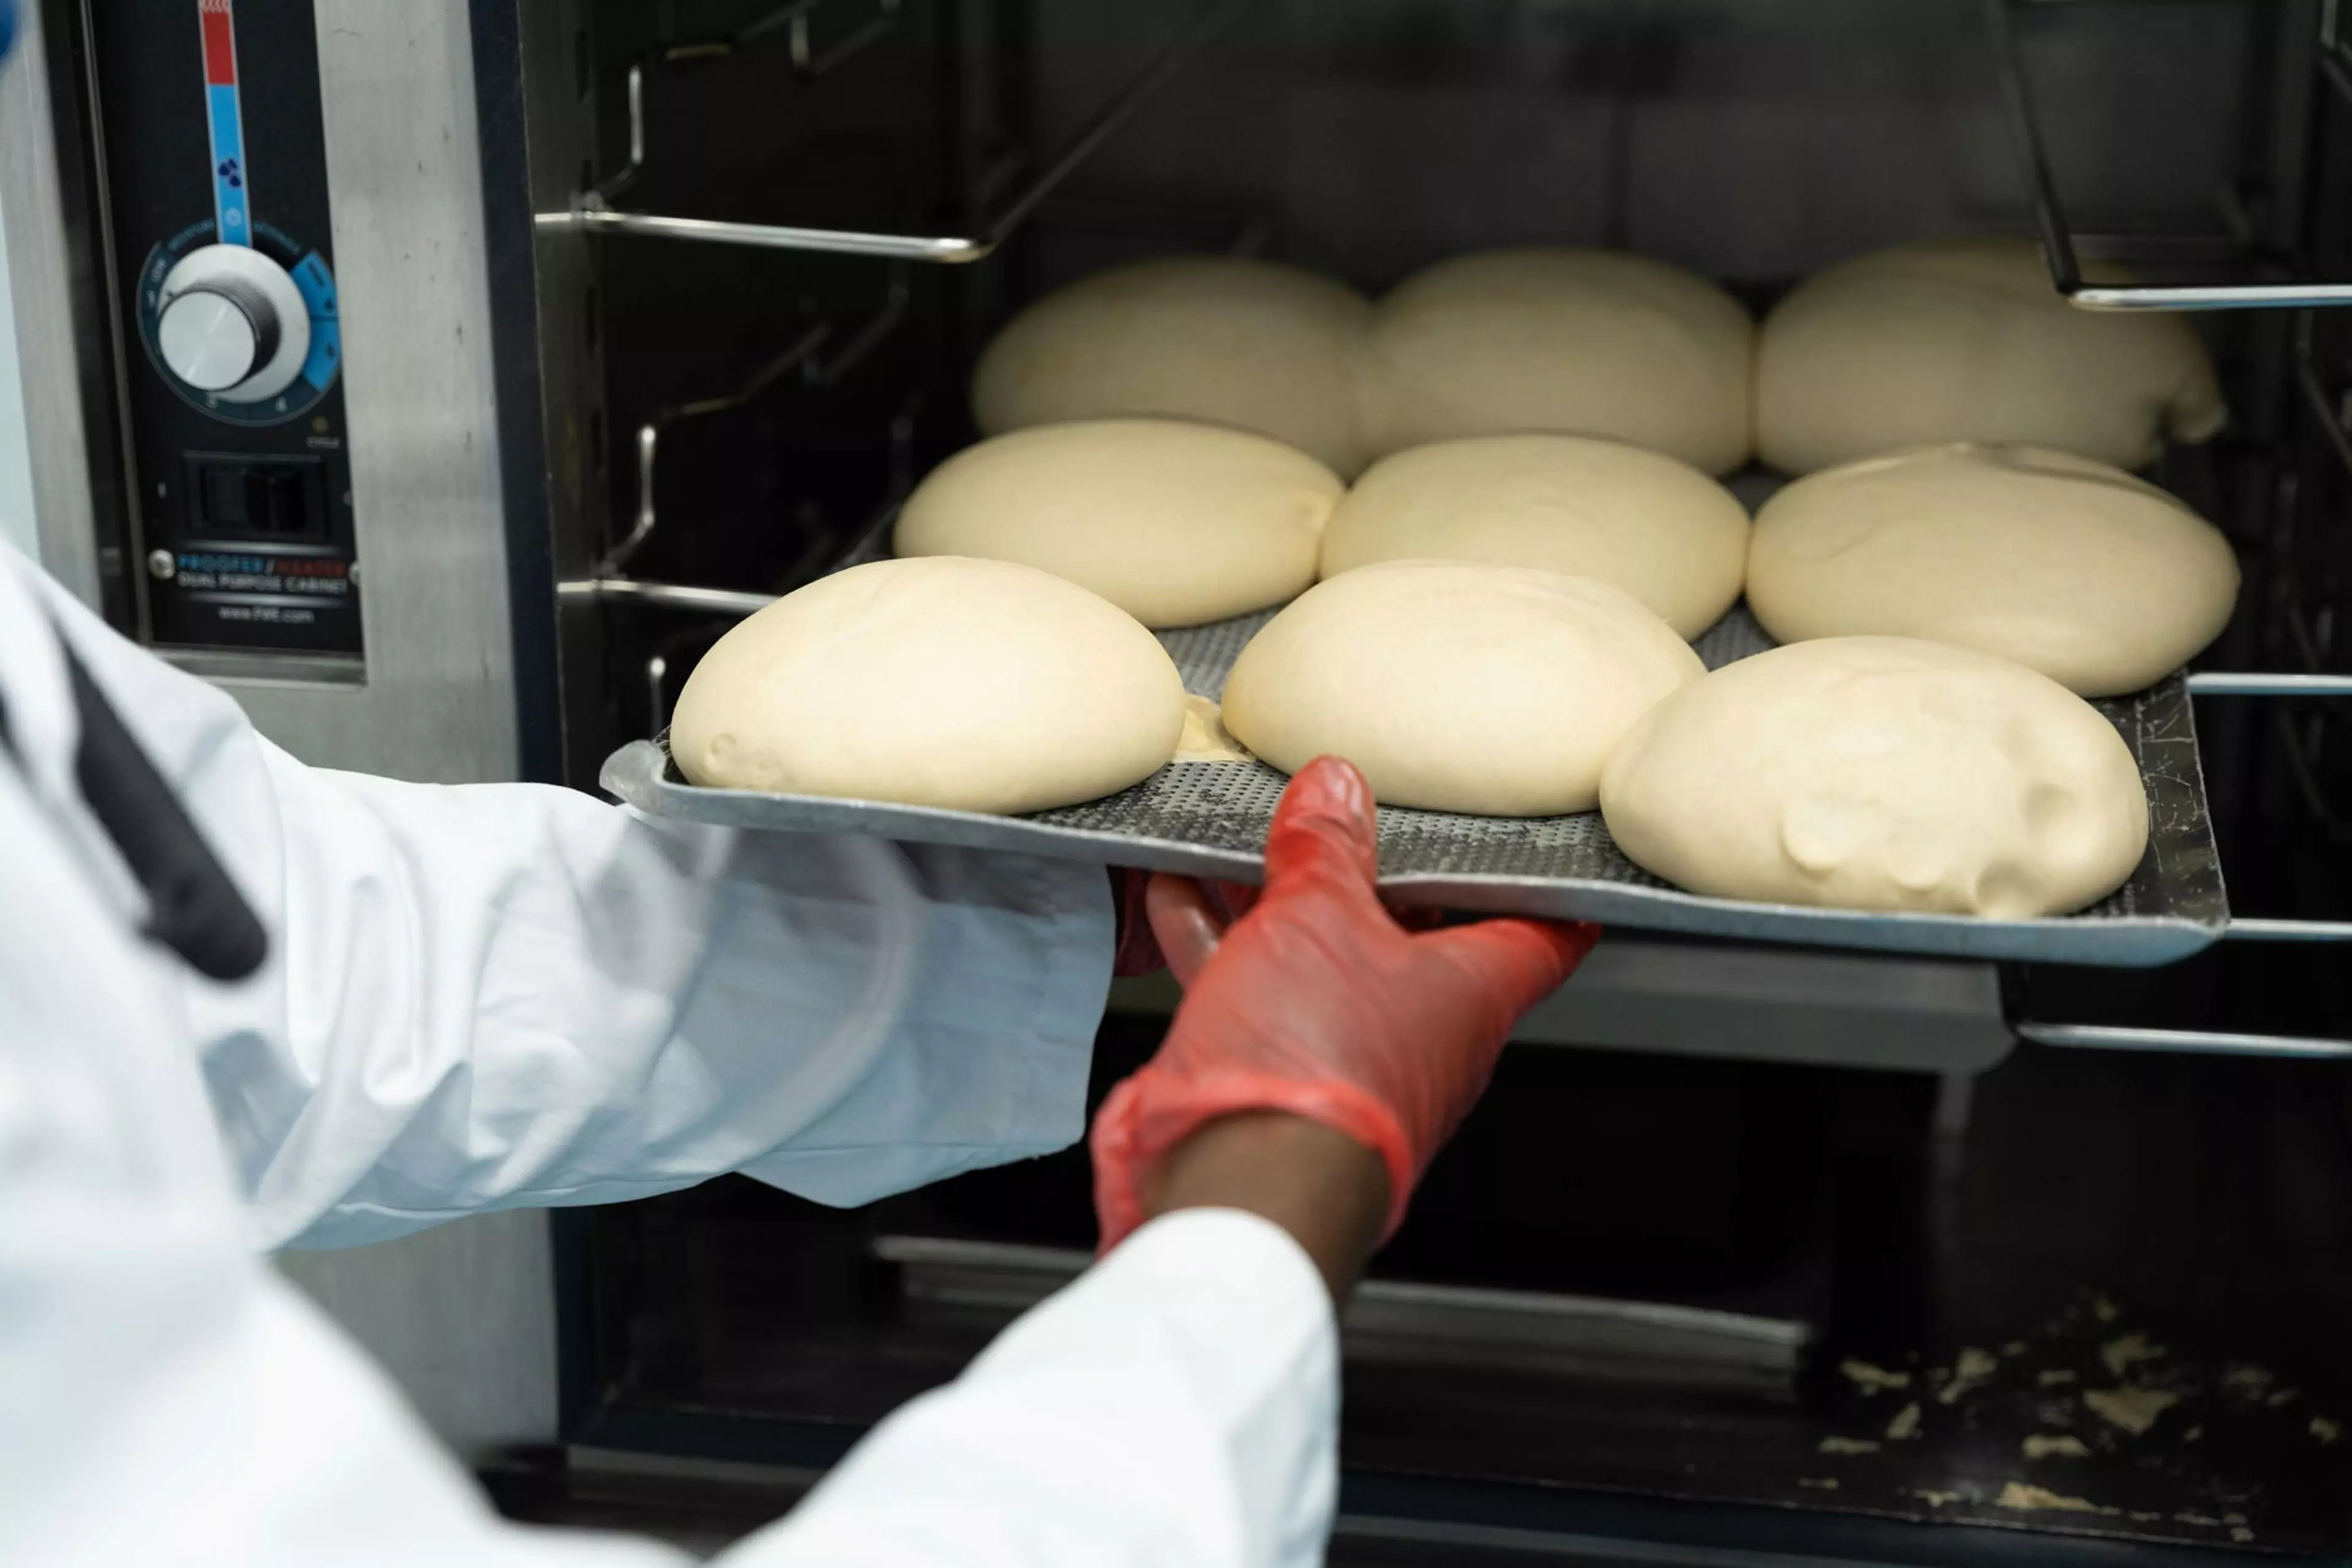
[216, 180]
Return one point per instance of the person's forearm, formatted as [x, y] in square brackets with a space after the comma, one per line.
[1326, 1190]
[1177, 1404]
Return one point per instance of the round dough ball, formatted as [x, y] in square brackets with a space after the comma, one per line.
[975, 685]
[1967, 340]
[1174, 523]
[1645, 523]
[2099, 581]
[1880, 773]
[1456, 686]
[1252, 344]
[1585, 342]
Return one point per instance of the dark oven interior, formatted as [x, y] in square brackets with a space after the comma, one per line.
[1826, 1293]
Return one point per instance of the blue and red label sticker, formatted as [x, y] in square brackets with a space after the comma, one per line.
[232, 201]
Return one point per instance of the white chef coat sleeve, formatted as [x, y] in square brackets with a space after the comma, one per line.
[1178, 1403]
[164, 1397]
[500, 995]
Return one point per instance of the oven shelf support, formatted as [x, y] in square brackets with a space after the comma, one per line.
[808, 62]
[592, 213]
[2333, 64]
[817, 369]
[2201, 1042]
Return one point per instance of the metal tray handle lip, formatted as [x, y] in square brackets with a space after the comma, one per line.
[637, 774]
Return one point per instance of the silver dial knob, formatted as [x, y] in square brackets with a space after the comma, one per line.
[217, 332]
[230, 323]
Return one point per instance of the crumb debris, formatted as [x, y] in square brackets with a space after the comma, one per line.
[2018, 1495]
[1973, 1367]
[1819, 1483]
[1906, 1425]
[2145, 1518]
[2193, 1433]
[2283, 1396]
[2329, 1433]
[2043, 1446]
[2233, 1519]
[2133, 1409]
[2120, 1355]
[2240, 1533]
[2051, 1377]
[1934, 1499]
[2244, 1377]
[2014, 1347]
[2203, 1520]
[2104, 1310]
[1849, 1446]
[1872, 1379]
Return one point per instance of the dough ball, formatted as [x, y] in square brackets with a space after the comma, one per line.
[975, 685]
[2101, 581]
[1252, 344]
[1643, 522]
[1456, 686]
[1584, 343]
[1880, 773]
[1174, 523]
[1967, 340]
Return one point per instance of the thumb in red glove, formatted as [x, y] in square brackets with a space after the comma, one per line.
[1318, 1004]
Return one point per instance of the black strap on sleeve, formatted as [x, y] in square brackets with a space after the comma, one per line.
[193, 908]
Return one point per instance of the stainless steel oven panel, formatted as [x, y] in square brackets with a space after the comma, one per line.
[403, 160]
[438, 698]
[50, 355]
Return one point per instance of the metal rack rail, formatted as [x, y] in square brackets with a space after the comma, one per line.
[2332, 65]
[817, 369]
[594, 214]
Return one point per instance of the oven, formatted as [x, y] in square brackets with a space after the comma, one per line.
[644, 311]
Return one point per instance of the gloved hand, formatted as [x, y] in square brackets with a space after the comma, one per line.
[1135, 950]
[1318, 1003]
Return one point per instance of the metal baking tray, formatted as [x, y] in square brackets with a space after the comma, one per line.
[1210, 818]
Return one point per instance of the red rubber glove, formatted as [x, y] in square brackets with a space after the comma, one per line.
[1317, 1002]
[1135, 950]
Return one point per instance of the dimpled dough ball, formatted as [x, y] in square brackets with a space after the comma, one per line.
[1880, 773]
[1967, 340]
[1647, 522]
[2099, 581]
[1456, 686]
[1582, 343]
[976, 684]
[1255, 346]
[1174, 523]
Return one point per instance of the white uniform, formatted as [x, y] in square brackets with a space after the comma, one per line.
[504, 995]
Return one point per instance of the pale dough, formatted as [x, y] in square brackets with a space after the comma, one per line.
[976, 684]
[1651, 524]
[1456, 686]
[1205, 737]
[1587, 342]
[1174, 523]
[2096, 579]
[1967, 340]
[1880, 773]
[1256, 345]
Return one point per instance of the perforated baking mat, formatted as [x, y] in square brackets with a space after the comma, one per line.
[1211, 818]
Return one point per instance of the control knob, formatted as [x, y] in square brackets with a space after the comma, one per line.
[230, 322]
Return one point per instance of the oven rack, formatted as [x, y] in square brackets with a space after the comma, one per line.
[592, 213]
[2331, 66]
[803, 359]
[810, 61]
